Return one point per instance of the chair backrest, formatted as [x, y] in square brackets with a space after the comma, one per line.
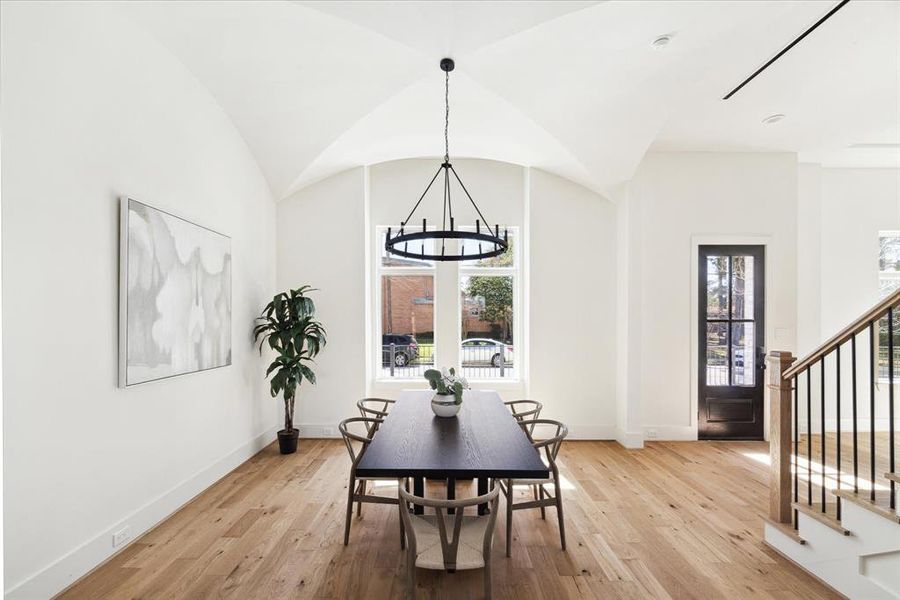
[368, 424]
[525, 409]
[449, 545]
[552, 444]
[374, 407]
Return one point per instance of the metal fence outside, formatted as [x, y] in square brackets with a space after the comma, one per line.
[480, 362]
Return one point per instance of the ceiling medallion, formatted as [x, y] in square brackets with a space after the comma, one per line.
[484, 241]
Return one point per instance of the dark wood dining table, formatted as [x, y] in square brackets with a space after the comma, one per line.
[482, 442]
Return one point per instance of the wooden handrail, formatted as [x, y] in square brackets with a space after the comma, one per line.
[874, 313]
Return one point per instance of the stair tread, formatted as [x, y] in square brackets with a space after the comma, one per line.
[787, 529]
[895, 477]
[828, 518]
[862, 500]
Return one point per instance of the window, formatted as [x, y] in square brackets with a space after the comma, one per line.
[406, 299]
[489, 298]
[888, 283]
[414, 298]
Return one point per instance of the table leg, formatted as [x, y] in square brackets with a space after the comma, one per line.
[451, 493]
[419, 490]
[482, 490]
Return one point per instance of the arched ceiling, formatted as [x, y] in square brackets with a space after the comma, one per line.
[571, 87]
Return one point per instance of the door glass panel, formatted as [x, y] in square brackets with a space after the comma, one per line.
[742, 287]
[717, 287]
[743, 355]
[717, 354]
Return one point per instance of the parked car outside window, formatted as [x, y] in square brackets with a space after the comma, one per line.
[406, 349]
[485, 351]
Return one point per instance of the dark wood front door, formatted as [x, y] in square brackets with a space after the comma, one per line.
[731, 311]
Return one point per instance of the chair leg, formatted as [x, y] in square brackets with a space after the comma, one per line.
[362, 486]
[487, 577]
[509, 516]
[410, 576]
[559, 515]
[543, 509]
[402, 528]
[350, 491]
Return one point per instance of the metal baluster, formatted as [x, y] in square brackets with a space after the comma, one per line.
[796, 383]
[855, 432]
[891, 401]
[809, 436]
[393, 355]
[822, 424]
[837, 391]
[873, 366]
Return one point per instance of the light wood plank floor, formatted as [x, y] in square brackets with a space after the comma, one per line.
[675, 520]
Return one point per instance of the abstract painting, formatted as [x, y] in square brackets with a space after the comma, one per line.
[174, 296]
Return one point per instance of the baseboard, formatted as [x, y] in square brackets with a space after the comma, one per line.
[632, 440]
[319, 430]
[55, 577]
[670, 433]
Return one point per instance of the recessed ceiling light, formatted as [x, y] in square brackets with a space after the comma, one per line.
[773, 119]
[661, 41]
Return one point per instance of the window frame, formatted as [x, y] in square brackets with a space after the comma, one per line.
[516, 272]
[380, 271]
[882, 277]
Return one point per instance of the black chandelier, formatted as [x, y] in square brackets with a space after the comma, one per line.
[487, 242]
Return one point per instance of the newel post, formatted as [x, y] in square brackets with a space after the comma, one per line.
[778, 394]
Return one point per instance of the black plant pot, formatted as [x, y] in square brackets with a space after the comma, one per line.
[287, 440]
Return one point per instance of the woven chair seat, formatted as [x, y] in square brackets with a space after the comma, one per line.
[428, 539]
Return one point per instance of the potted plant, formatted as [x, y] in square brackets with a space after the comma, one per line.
[449, 391]
[288, 323]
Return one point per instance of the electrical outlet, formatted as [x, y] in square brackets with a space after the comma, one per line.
[328, 431]
[652, 434]
[121, 536]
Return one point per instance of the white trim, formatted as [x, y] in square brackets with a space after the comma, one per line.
[525, 267]
[670, 433]
[368, 301]
[724, 240]
[633, 440]
[66, 569]
[515, 272]
[373, 308]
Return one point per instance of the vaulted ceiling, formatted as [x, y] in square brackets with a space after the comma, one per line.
[572, 87]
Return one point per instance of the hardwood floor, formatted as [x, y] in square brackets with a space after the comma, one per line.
[675, 520]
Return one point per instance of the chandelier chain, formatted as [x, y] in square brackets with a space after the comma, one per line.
[446, 116]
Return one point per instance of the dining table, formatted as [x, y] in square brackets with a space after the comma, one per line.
[482, 442]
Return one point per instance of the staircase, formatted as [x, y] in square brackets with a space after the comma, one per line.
[833, 506]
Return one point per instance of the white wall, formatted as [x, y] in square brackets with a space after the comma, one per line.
[855, 205]
[839, 216]
[680, 200]
[93, 109]
[572, 296]
[569, 305]
[321, 243]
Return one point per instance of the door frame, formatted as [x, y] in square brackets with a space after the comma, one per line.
[768, 293]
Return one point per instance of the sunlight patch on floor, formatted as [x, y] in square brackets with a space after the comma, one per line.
[831, 473]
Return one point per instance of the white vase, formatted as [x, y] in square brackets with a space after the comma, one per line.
[445, 405]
